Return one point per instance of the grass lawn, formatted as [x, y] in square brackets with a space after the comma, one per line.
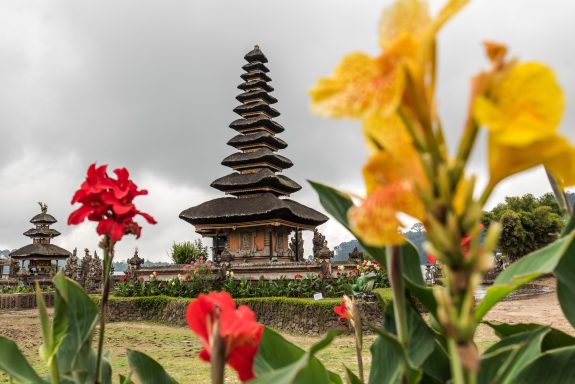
[176, 348]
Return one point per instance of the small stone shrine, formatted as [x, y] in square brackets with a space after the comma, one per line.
[41, 252]
[72, 270]
[134, 263]
[253, 225]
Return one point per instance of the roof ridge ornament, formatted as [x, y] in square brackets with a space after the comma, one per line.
[43, 207]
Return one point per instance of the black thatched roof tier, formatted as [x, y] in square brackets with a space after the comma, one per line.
[40, 251]
[259, 156]
[255, 85]
[255, 66]
[253, 123]
[256, 55]
[255, 139]
[262, 180]
[230, 210]
[43, 218]
[42, 232]
[257, 107]
[256, 94]
[255, 75]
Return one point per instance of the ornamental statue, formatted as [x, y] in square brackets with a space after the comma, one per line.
[296, 246]
[134, 263]
[72, 270]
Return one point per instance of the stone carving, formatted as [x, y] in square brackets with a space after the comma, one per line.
[356, 255]
[296, 247]
[93, 279]
[72, 270]
[320, 248]
[14, 267]
[134, 263]
[43, 207]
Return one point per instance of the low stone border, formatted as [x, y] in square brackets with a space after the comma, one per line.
[21, 301]
[304, 316]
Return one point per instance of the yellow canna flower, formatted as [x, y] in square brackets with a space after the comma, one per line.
[376, 220]
[522, 108]
[362, 85]
[386, 133]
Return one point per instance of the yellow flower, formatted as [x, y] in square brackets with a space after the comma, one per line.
[376, 220]
[392, 176]
[362, 85]
[521, 108]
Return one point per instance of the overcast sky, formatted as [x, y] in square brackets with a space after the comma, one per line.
[150, 85]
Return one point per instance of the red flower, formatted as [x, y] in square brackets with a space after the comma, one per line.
[297, 276]
[342, 311]
[238, 328]
[430, 259]
[109, 202]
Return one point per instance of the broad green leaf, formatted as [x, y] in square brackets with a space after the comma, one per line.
[565, 273]
[306, 368]
[421, 339]
[544, 260]
[148, 370]
[552, 367]
[436, 367]
[351, 378]
[388, 358]
[13, 362]
[76, 359]
[553, 339]
[570, 225]
[502, 361]
[337, 204]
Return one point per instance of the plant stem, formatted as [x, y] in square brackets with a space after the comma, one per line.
[359, 358]
[395, 270]
[218, 352]
[455, 362]
[108, 256]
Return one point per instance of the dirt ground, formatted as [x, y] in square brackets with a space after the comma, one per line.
[177, 347]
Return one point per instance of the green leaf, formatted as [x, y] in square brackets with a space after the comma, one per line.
[148, 370]
[421, 339]
[436, 367]
[388, 358]
[292, 365]
[351, 378]
[552, 367]
[502, 361]
[337, 204]
[544, 260]
[570, 225]
[76, 359]
[553, 339]
[13, 362]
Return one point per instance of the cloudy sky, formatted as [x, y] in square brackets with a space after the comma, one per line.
[150, 85]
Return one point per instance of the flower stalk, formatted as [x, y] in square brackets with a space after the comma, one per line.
[395, 271]
[108, 247]
[218, 349]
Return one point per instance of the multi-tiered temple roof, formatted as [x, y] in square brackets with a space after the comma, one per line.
[256, 188]
[41, 235]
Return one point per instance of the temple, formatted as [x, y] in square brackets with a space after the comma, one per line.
[40, 253]
[254, 223]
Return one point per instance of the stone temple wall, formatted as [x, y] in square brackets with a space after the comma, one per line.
[293, 315]
[20, 301]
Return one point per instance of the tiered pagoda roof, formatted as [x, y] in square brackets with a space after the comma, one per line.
[41, 234]
[255, 184]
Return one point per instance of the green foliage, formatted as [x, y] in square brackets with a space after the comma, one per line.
[529, 223]
[147, 370]
[306, 286]
[188, 252]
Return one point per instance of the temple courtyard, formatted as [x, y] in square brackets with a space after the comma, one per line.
[177, 348]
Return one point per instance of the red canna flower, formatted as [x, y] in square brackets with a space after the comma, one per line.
[109, 202]
[297, 276]
[240, 331]
[343, 310]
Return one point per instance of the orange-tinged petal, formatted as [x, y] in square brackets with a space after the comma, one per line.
[524, 107]
[563, 167]
[404, 17]
[447, 12]
[388, 133]
[359, 86]
[376, 220]
[553, 151]
[496, 52]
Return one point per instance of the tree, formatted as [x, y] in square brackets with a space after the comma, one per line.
[188, 252]
[529, 223]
